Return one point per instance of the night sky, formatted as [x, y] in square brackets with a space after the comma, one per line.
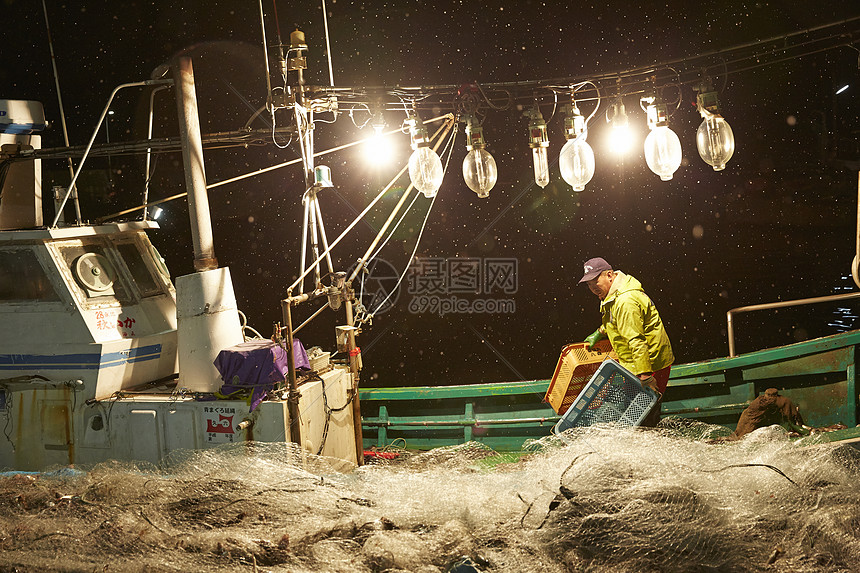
[777, 224]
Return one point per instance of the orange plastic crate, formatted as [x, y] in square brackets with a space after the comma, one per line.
[575, 367]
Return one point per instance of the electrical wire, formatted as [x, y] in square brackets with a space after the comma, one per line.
[450, 148]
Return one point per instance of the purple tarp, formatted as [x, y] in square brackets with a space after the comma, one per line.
[257, 364]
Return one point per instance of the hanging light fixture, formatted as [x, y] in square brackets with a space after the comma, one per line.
[425, 167]
[479, 167]
[539, 142]
[620, 137]
[714, 138]
[377, 148]
[576, 159]
[662, 146]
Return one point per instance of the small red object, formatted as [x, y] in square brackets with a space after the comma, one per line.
[383, 455]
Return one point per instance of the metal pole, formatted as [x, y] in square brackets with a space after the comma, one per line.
[354, 359]
[293, 398]
[447, 127]
[62, 114]
[780, 304]
[304, 251]
[93, 138]
[266, 60]
[327, 45]
[315, 248]
[259, 172]
[149, 149]
[192, 156]
[855, 274]
[322, 234]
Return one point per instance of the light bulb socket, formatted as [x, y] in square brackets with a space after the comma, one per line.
[617, 114]
[377, 122]
[707, 101]
[474, 135]
[418, 133]
[657, 114]
[538, 136]
[574, 123]
[297, 60]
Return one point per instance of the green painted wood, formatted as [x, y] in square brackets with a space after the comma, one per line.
[382, 438]
[537, 387]
[769, 355]
[819, 375]
[468, 421]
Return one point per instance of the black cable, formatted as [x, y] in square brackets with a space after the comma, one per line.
[768, 466]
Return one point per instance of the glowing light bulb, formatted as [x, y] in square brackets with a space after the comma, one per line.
[662, 146]
[620, 136]
[377, 149]
[425, 167]
[714, 138]
[539, 142]
[576, 160]
[715, 142]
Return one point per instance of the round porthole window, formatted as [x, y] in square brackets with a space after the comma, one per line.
[94, 272]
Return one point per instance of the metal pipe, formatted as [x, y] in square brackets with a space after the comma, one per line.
[304, 250]
[707, 409]
[62, 109]
[317, 154]
[781, 304]
[304, 134]
[323, 235]
[293, 398]
[314, 234]
[93, 138]
[266, 59]
[149, 149]
[192, 156]
[327, 44]
[348, 228]
[311, 317]
[360, 215]
[463, 422]
[252, 174]
[355, 370]
[447, 127]
[855, 264]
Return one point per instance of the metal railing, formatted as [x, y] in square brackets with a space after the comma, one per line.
[782, 304]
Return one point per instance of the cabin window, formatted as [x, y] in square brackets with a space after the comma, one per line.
[23, 278]
[139, 270]
[105, 284]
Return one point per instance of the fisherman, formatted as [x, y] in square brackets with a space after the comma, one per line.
[633, 326]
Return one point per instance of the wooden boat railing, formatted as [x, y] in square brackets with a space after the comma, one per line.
[818, 375]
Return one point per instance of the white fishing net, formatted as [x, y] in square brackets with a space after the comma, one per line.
[597, 499]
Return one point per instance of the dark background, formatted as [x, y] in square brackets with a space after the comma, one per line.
[777, 224]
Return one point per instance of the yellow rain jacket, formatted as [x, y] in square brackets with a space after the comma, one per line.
[634, 327]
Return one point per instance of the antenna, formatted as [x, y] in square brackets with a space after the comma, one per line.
[62, 116]
[327, 45]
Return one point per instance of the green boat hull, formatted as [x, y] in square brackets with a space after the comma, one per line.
[818, 375]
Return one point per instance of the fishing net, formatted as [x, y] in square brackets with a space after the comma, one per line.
[592, 499]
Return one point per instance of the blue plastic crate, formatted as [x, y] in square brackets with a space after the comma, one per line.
[613, 395]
